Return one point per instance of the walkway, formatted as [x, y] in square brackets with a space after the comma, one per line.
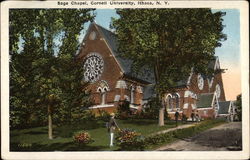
[221, 138]
[178, 127]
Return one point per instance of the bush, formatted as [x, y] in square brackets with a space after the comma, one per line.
[82, 138]
[123, 111]
[159, 138]
[130, 140]
[152, 109]
[88, 115]
[103, 115]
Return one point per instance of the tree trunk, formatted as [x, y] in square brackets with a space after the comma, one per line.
[50, 123]
[161, 113]
[161, 116]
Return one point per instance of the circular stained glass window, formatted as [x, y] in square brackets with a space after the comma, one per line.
[93, 67]
[200, 82]
[218, 90]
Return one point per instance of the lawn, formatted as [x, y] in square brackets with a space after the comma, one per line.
[36, 139]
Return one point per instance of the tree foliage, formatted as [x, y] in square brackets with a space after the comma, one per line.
[169, 41]
[44, 75]
[238, 105]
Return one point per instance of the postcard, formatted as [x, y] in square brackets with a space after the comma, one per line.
[124, 79]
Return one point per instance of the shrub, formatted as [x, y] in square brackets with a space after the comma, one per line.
[88, 115]
[82, 138]
[152, 109]
[159, 138]
[123, 111]
[129, 140]
[103, 115]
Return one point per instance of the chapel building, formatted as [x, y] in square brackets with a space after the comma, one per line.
[112, 81]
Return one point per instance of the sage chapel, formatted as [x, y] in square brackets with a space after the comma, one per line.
[112, 81]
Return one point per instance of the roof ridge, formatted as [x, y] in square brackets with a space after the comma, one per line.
[104, 28]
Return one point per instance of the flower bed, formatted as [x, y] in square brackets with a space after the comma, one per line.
[82, 138]
[129, 140]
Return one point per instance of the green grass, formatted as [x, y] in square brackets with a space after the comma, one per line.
[36, 139]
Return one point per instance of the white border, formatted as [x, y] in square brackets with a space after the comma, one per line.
[244, 47]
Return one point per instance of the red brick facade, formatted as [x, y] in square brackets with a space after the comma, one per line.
[112, 87]
[189, 96]
[110, 77]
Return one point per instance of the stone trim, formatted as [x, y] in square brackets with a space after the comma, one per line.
[172, 112]
[117, 98]
[102, 106]
[133, 106]
[121, 84]
[204, 108]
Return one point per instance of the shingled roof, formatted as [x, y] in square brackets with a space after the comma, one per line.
[125, 63]
[224, 107]
[205, 100]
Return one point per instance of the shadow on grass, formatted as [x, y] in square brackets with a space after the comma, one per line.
[36, 132]
[151, 122]
[139, 121]
[69, 146]
[69, 130]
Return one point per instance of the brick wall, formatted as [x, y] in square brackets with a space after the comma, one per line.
[193, 87]
[111, 73]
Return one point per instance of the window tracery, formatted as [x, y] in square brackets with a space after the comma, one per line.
[93, 67]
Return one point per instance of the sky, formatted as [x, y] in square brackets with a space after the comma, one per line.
[228, 53]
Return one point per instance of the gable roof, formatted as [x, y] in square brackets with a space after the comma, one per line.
[124, 63]
[224, 107]
[111, 39]
[205, 100]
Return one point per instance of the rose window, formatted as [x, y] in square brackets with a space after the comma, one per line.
[93, 67]
[200, 81]
[218, 90]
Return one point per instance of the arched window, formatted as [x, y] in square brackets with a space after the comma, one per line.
[132, 89]
[103, 89]
[169, 105]
[103, 97]
[176, 100]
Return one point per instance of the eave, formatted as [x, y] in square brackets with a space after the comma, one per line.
[135, 80]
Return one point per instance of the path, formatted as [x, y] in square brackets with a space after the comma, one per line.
[178, 127]
[221, 138]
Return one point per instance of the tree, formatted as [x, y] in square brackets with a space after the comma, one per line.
[169, 41]
[238, 105]
[45, 78]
